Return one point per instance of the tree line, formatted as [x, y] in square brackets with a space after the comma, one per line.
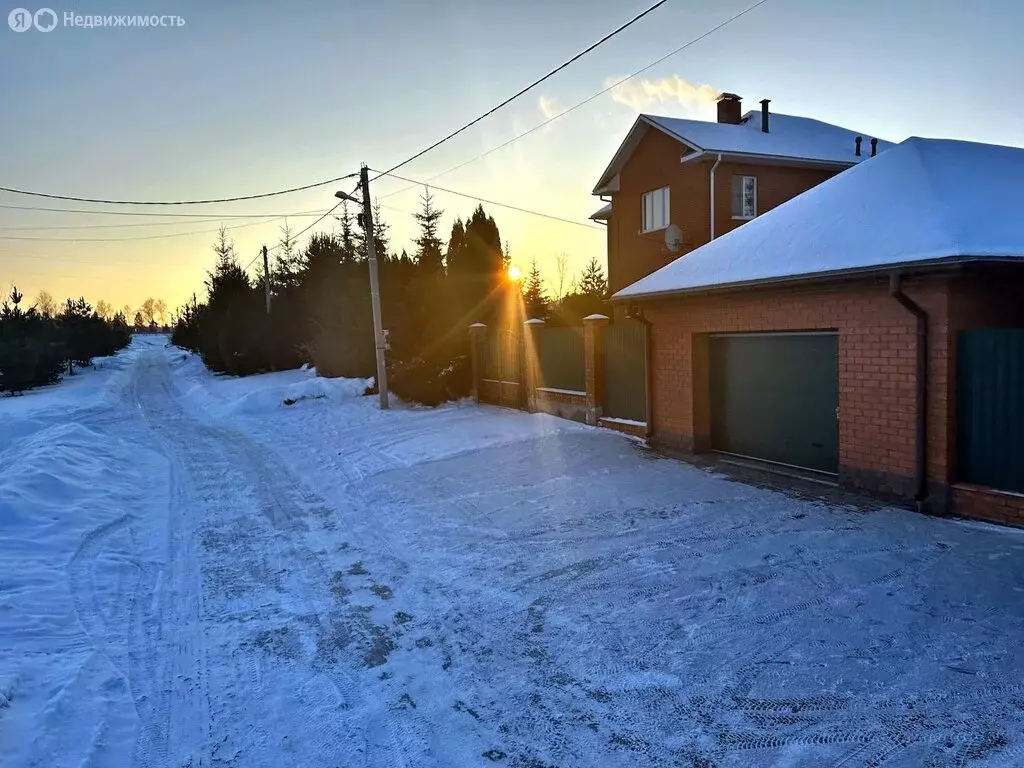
[320, 306]
[38, 346]
[151, 314]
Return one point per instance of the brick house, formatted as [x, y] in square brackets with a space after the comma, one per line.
[870, 329]
[661, 182]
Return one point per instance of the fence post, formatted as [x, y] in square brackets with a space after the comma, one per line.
[532, 374]
[593, 350]
[477, 334]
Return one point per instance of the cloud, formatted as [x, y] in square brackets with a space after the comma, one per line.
[548, 107]
[643, 94]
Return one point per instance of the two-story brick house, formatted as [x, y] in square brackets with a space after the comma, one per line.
[675, 184]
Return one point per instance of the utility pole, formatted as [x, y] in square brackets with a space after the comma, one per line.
[266, 278]
[371, 257]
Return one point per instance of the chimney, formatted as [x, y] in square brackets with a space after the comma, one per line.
[764, 115]
[874, 147]
[730, 107]
[856, 145]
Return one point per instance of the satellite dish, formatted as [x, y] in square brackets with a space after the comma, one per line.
[673, 238]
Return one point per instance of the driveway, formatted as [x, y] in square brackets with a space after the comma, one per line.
[325, 584]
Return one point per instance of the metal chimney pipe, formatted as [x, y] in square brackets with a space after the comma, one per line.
[874, 147]
[764, 115]
[856, 145]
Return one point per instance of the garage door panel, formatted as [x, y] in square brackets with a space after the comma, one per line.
[774, 397]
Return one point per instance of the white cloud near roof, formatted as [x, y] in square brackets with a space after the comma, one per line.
[548, 107]
[643, 94]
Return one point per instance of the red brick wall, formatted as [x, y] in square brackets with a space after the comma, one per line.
[654, 164]
[985, 504]
[876, 369]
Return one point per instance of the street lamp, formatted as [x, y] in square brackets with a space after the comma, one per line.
[379, 342]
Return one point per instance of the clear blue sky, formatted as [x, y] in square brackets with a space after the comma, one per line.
[253, 96]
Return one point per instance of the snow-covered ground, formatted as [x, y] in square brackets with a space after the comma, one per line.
[194, 574]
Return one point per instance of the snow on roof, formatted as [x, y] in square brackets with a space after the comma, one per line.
[922, 201]
[602, 214]
[789, 138]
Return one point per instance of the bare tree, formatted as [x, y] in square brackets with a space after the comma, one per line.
[126, 310]
[148, 311]
[160, 311]
[104, 310]
[561, 285]
[45, 305]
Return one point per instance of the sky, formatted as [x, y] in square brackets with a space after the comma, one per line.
[250, 97]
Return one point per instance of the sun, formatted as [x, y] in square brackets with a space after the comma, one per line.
[514, 273]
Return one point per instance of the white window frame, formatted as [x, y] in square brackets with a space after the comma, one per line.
[659, 199]
[742, 216]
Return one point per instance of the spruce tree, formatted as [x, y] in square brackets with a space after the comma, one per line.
[429, 256]
[534, 299]
[592, 282]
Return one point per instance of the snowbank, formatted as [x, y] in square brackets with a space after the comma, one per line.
[68, 489]
[224, 396]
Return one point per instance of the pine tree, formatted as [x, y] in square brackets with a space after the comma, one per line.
[380, 235]
[592, 282]
[349, 239]
[288, 264]
[428, 255]
[224, 247]
[534, 299]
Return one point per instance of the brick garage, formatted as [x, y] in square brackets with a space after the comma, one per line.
[877, 371]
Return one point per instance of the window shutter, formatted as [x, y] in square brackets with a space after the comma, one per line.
[737, 195]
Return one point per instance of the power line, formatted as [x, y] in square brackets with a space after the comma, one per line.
[141, 238]
[492, 202]
[148, 213]
[587, 100]
[177, 202]
[532, 85]
[186, 222]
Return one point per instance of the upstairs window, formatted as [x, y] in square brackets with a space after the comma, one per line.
[655, 215]
[744, 197]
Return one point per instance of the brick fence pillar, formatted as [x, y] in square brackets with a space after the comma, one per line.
[532, 376]
[477, 335]
[593, 350]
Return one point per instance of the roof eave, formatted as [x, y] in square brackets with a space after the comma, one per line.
[785, 159]
[621, 156]
[817, 277]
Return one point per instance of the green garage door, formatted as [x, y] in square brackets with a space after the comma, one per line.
[776, 397]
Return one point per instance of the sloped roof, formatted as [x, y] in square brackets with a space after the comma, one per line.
[602, 214]
[789, 138]
[924, 201]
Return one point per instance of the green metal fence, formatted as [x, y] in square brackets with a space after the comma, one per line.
[562, 363]
[990, 407]
[502, 353]
[625, 371]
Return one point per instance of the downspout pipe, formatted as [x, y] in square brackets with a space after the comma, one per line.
[712, 196]
[921, 399]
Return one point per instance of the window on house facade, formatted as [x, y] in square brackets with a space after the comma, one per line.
[744, 197]
[655, 215]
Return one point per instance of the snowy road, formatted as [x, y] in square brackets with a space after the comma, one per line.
[194, 574]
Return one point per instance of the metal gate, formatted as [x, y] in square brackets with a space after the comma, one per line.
[990, 407]
[502, 372]
[625, 371]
